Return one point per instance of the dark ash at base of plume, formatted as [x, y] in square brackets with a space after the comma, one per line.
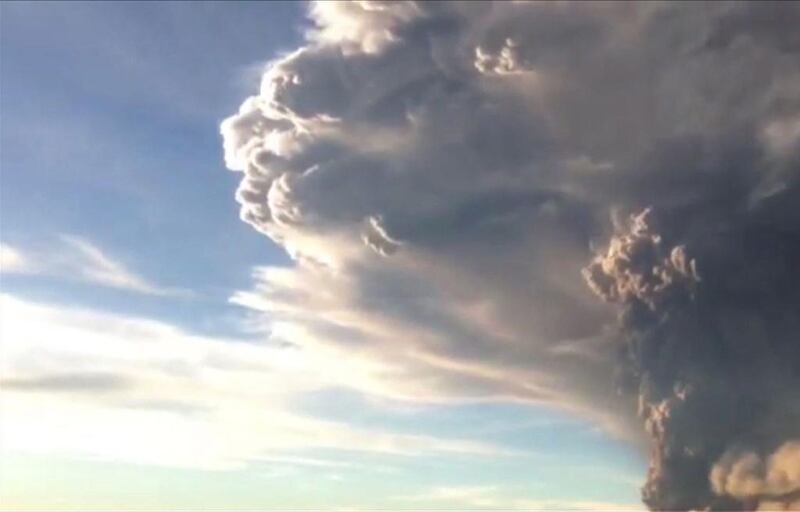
[712, 350]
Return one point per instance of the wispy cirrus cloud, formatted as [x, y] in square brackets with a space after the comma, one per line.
[496, 497]
[146, 392]
[76, 258]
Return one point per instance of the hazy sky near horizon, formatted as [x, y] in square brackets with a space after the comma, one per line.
[145, 365]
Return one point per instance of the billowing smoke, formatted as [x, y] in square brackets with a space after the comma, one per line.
[774, 481]
[447, 176]
[711, 353]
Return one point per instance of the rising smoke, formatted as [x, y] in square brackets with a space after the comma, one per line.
[442, 173]
[711, 353]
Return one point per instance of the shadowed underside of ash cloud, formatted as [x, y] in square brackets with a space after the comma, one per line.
[711, 353]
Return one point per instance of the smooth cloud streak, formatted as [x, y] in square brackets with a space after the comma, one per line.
[497, 498]
[75, 258]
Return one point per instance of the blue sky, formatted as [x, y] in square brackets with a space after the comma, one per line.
[111, 119]
[122, 248]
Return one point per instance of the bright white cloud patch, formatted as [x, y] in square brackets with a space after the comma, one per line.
[361, 25]
[139, 391]
[12, 260]
[491, 497]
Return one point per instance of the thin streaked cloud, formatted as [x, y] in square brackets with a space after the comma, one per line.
[242, 396]
[76, 258]
[495, 497]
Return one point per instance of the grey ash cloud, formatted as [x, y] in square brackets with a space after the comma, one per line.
[83, 382]
[443, 172]
[711, 354]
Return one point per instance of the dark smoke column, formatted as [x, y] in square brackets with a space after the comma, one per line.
[711, 341]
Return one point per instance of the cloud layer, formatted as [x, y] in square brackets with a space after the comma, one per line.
[138, 391]
[442, 172]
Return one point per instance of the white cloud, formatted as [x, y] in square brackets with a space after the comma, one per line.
[97, 267]
[588, 506]
[80, 383]
[75, 258]
[505, 62]
[361, 25]
[473, 496]
[12, 260]
[495, 497]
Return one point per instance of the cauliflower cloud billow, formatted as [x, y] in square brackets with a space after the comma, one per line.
[442, 173]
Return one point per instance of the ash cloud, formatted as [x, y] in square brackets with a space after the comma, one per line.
[443, 175]
[710, 352]
[68, 382]
[774, 482]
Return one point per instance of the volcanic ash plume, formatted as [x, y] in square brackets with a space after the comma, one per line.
[775, 481]
[438, 172]
[714, 362]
